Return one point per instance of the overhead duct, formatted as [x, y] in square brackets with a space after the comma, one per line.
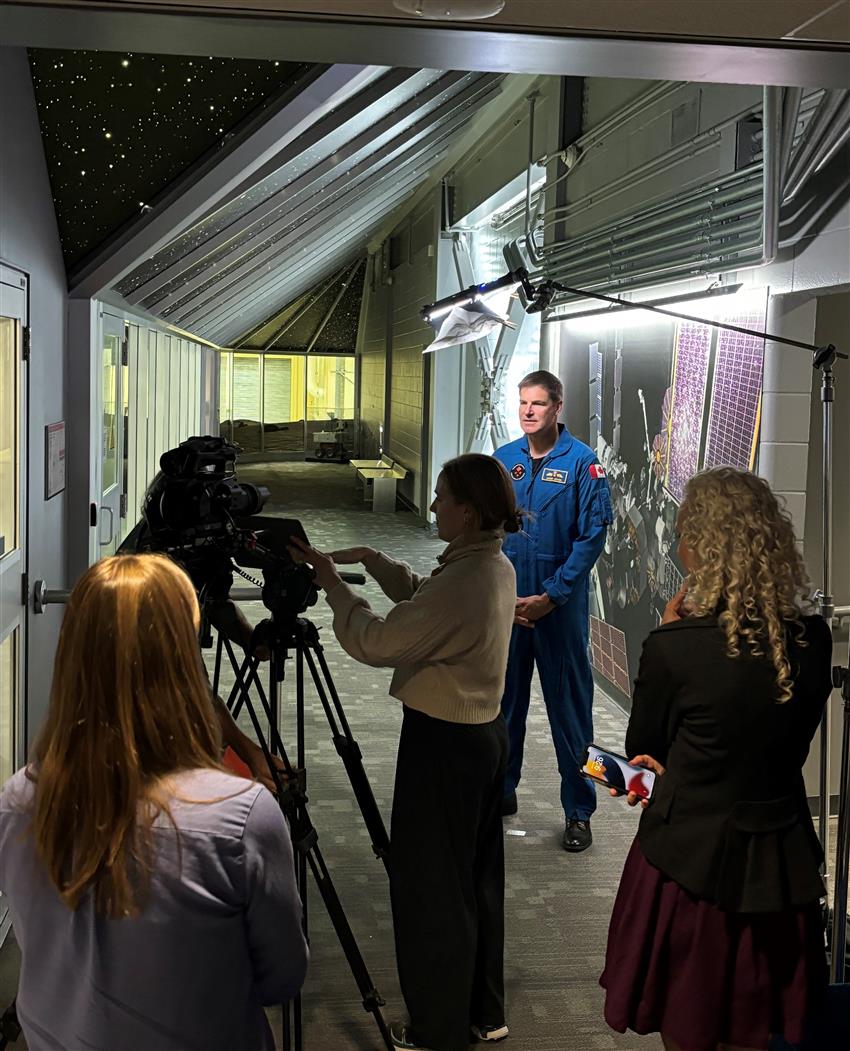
[729, 224]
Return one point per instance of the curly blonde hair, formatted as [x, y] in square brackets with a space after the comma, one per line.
[746, 565]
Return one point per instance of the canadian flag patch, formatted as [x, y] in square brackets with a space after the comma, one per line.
[597, 471]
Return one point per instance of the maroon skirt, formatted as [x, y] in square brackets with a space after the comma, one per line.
[679, 965]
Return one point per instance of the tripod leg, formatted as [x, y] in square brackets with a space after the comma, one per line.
[349, 752]
[371, 998]
[217, 672]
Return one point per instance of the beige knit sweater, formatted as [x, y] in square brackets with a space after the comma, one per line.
[447, 636]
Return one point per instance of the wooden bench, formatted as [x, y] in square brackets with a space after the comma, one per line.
[379, 479]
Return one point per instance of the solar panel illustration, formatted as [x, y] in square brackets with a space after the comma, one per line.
[671, 580]
[608, 653]
[595, 394]
[693, 344]
[736, 395]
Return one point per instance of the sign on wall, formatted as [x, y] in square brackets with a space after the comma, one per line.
[54, 459]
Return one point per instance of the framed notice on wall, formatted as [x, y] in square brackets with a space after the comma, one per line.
[54, 459]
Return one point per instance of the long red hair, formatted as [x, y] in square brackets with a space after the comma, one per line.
[130, 704]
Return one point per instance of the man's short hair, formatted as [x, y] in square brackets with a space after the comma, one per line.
[547, 380]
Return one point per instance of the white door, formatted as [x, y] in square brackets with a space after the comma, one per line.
[112, 352]
[13, 561]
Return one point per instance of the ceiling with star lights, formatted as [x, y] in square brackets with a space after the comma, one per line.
[311, 208]
[118, 128]
[267, 179]
[324, 320]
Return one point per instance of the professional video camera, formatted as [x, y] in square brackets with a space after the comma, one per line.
[196, 511]
[196, 496]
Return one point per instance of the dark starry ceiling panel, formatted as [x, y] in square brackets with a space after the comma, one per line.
[310, 208]
[327, 317]
[119, 128]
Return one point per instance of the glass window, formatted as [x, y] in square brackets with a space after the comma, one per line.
[125, 422]
[152, 458]
[196, 394]
[111, 363]
[8, 704]
[330, 387]
[177, 351]
[283, 389]
[162, 357]
[246, 401]
[225, 417]
[9, 452]
[187, 387]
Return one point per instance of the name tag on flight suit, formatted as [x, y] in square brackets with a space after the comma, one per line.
[551, 475]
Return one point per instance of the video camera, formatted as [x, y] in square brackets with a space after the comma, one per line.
[196, 495]
[196, 511]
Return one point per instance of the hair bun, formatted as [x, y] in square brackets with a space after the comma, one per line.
[513, 524]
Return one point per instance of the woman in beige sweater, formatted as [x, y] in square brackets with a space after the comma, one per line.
[447, 639]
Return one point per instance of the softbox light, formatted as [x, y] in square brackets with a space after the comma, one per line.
[464, 324]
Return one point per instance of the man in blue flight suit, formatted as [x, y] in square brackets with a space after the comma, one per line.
[559, 481]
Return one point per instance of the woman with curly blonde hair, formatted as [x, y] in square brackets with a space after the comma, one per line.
[716, 938]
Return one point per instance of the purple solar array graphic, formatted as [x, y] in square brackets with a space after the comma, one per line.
[693, 343]
[736, 395]
[608, 653]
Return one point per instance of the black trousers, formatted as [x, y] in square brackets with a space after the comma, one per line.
[447, 876]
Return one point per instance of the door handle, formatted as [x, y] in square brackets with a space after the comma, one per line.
[108, 541]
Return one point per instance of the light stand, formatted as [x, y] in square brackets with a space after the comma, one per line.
[539, 298]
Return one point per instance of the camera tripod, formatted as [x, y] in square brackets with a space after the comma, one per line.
[286, 633]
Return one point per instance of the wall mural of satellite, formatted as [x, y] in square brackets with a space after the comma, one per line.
[666, 399]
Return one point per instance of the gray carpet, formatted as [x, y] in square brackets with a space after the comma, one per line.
[557, 904]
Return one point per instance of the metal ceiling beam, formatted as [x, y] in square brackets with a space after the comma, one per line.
[299, 39]
[257, 214]
[400, 151]
[302, 271]
[299, 270]
[246, 276]
[512, 91]
[198, 192]
[322, 211]
[327, 124]
[410, 84]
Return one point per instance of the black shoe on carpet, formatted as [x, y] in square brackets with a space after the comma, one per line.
[509, 804]
[577, 835]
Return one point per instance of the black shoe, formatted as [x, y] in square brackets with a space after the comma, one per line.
[577, 836]
[509, 804]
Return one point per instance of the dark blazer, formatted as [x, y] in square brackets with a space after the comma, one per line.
[729, 821]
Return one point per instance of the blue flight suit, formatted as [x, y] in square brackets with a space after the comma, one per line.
[570, 506]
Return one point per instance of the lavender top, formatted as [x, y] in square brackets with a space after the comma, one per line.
[219, 936]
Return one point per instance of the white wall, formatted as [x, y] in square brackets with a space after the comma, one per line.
[29, 240]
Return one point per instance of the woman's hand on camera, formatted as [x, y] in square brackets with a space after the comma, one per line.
[324, 571]
[645, 762]
[350, 556]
